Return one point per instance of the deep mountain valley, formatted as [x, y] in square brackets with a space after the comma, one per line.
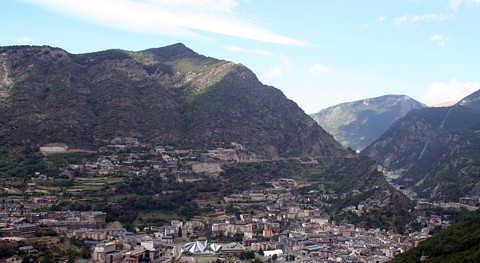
[163, 137]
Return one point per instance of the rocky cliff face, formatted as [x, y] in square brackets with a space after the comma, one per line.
[434, 150]
[168, 95]
[357, 124]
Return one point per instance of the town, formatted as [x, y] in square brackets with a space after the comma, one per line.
[278, 223]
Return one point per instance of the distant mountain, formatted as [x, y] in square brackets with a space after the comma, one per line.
[435, 151]
[455, 244]
[356, 124]
[165, 96]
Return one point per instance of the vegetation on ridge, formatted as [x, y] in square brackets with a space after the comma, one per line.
[163, 96]
[434, 150]
[457, 243]
[356, 124]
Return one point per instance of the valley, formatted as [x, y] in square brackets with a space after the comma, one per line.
[166, 154]
[298, 205]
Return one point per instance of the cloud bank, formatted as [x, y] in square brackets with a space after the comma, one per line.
[455, 4]
[412, 19]
[446, 91]
[185, 18]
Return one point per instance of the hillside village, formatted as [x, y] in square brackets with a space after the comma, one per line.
[283, 224]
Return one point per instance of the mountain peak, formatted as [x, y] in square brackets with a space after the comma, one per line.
[177, 50]
[358, 123]
[162, 96]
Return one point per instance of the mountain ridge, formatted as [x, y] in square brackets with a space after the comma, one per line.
[434, 151]
[167, 95]
[358, 123]
[471, 101]
[457, 243]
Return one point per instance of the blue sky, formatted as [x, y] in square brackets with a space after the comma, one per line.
[319, 53]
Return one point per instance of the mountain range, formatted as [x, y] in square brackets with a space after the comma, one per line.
[357, 124]
[434, 151]
[175, 96]
[169, 95]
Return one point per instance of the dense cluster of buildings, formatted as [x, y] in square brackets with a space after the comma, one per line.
[285, 224]
[59, 221]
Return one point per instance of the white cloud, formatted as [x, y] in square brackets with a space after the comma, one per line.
[440, 40]
[252, 51]
[445, 91]
[24, 40]
[401, 20]
[194, 6]
[380, 19]
[176, 18]
[455, 4]
[278, 70]
[319, 68]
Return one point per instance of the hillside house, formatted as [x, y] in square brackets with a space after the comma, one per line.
[471, 201]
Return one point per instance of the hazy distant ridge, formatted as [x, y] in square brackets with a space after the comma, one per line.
[356, 124]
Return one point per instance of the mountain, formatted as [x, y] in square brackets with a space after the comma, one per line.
[471, 101]
[174, 96]
[356, 124]
[457, 243]
[434, 151]
[166, 96]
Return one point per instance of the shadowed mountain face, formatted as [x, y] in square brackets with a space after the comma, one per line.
[357, 124]
[168, 95]
[436, 152]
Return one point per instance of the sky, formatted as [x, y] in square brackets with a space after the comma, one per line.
[318, 53]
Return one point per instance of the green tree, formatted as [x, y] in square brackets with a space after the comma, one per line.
[29, 259]
[242, 255]
[71, 256]
[238, 237]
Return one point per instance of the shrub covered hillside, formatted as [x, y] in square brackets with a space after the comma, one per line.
[456, 244]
